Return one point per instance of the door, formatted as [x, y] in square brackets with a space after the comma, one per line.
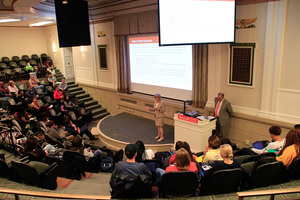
[68, 58]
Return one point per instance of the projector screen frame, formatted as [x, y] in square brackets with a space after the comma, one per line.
[175, 44]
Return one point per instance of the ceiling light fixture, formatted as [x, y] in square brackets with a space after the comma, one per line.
[41, 23]
[65, 2]
[9, 20]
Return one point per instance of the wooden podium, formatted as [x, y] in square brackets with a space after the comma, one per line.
[193, 131]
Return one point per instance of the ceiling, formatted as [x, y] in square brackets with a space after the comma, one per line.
[31, 11]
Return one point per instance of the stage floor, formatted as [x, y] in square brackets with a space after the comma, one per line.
[129, 128]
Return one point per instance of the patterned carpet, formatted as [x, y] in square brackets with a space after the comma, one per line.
[130, 128]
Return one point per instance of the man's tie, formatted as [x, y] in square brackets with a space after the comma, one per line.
[217, 109]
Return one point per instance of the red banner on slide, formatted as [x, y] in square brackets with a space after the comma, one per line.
[187, 118]
[143, 40]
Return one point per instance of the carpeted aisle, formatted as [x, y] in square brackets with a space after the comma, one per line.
[130, 128]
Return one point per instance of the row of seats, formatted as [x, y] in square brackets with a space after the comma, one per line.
[25, 58]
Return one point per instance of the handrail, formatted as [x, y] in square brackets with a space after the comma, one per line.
[51, 195]
[272, 193]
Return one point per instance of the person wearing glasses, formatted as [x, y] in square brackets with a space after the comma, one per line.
[159, 109]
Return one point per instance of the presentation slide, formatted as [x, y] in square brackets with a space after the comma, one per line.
[196, 21]
[155, 69]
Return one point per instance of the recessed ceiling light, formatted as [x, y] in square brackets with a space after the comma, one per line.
[65, 2]
[41, 23]
[9, 20]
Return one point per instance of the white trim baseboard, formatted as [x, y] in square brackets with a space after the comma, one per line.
[107, 85]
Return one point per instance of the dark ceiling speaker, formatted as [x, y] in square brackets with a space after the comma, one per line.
[72, 18]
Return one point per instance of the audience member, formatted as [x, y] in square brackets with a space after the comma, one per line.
[53, 133]
[183, 162]
[61, 107]
[57, 93]
[291, 149]
[276, 144]
[143, 153]
[22, 118]
[74, 129]
[29, 68]
[31, 93]
[40, 108]
[12, 88]
[212, 150]
[50, 67]
[63, 86]
[186, 146]
[5, 96]
[23, 99]
[52, 80]
[77, 146]
[33, 81]
[130, 166]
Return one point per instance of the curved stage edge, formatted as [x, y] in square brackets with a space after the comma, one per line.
[118, 144]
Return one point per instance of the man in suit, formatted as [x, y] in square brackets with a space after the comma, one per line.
[223, 111]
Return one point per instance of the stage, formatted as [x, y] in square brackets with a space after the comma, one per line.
[119, 130]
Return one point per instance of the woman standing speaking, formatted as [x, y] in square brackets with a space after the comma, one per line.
[159, 109]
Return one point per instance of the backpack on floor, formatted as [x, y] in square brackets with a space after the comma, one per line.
[162, 156]
[107, 165]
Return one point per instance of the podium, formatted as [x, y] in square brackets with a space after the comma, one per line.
[193, 131]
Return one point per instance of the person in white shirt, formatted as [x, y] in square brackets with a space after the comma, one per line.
[143, 153]
[12, 88]
[277, 142]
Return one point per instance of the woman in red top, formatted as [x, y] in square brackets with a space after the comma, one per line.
[182, 163]
[58, 94]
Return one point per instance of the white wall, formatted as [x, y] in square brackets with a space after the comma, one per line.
[22, 41]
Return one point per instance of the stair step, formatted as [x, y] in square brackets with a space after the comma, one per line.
[72, 85]
[75, 89]
[100, 116]
[81, 96]
[77, 92]
[60, 78]
[58, 73]
[86, 99]
[70, 82]
[97, 111]
[90, 103]
[92, 107]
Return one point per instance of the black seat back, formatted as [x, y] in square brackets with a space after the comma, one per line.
[225, 181]
[25, 58]
[62, 165]
[294, 169]
[5, 170]
[27, 173]
[22, 63]
[76, 164]
[179, 184]
[16, 59]
[32, 63]
[267, 174]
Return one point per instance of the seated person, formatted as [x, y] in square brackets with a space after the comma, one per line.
[31, 93]
[182, 163]
[33, 81]
[212, 150]
[130, 166]
[22, 118]
[61, 107]
[277, 142]
[12, 88]
[74, 129]
[52, 132]
[186, 146]
[29, 68]
[227, 163]
[77, 145]
[4, 96]
[23, 98]
[52, 80]
[58, 94]
[291, 149]
[49, 66]
[63, 86]
[39, 108]
[143, 153]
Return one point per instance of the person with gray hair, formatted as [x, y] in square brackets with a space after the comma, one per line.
[159, 109]
[223, 111]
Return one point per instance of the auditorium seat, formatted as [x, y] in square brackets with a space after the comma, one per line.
[16, 59]
[5, 60]
[5, 171]
[32, 173]
[13, 65]
[44, 57]
[33, 62]
[223, 181]
[3, 66]
[49, 100]
[13, 106]
[294, 169]
[21, 86]
[22, 64]
[266, 174]
[179, 184]
[19, 74]
[62, 165]
[53, 141]
[7, 75]
[25, 58]
[36, 58]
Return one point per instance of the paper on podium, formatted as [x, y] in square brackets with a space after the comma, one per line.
[203, 118]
